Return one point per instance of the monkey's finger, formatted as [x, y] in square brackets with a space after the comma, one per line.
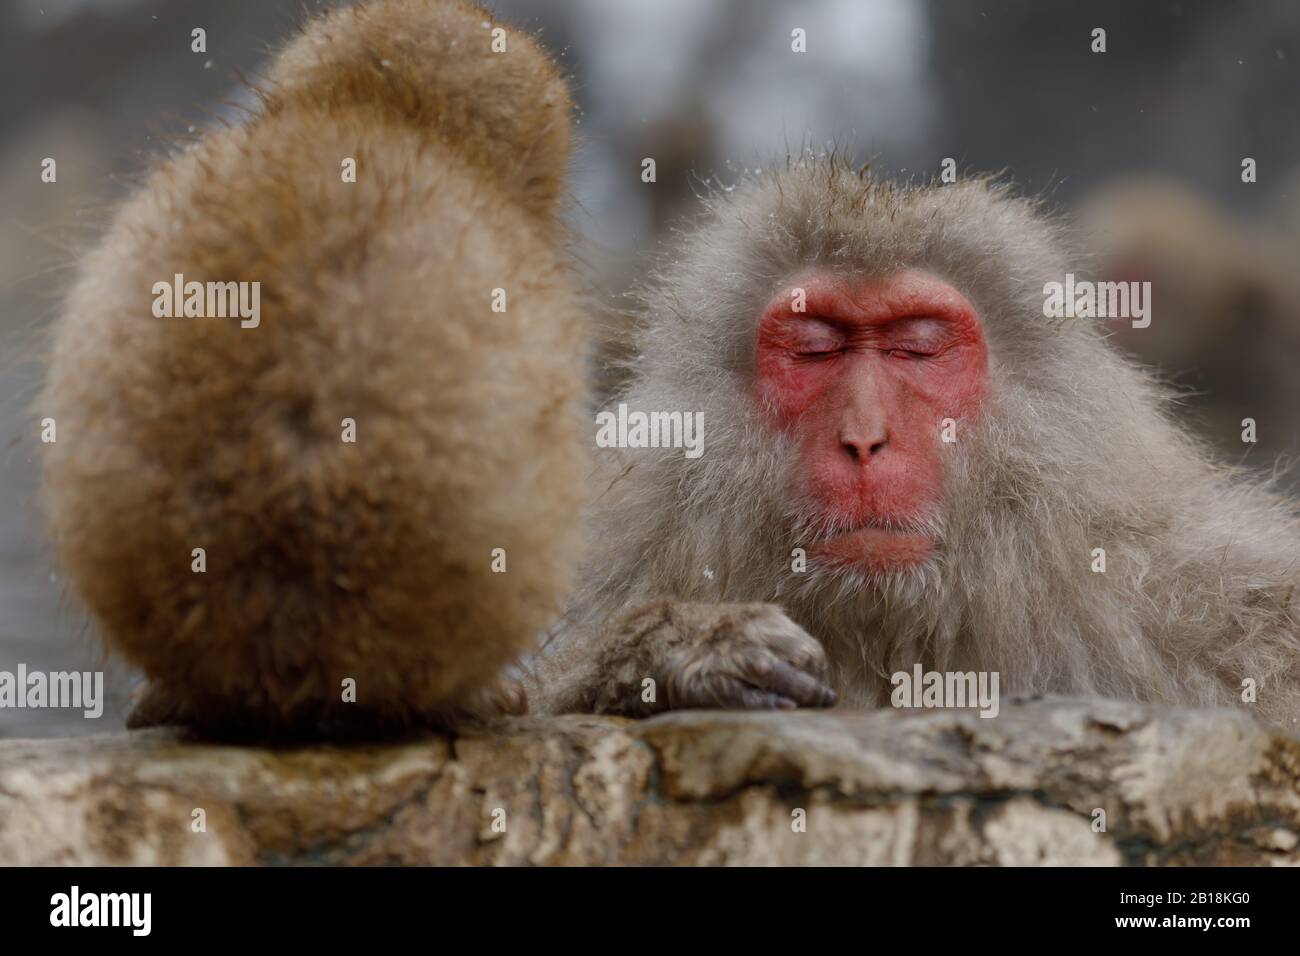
[810, 659]
[773, 674]
[754, 699]
[788, 640]
[731, 693]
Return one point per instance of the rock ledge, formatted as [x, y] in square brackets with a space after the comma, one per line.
[1176, 787]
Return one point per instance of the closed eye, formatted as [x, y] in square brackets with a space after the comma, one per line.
[910, 354]
[916, 348]
[817, 353]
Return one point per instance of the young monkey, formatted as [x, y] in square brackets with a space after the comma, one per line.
[357, 509]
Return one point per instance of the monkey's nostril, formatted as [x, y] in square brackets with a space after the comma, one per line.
[854, 449]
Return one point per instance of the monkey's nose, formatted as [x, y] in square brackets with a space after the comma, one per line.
[858, 449]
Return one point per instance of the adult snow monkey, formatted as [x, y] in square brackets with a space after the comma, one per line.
[905, 462]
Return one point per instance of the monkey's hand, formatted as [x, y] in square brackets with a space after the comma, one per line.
[670, 656]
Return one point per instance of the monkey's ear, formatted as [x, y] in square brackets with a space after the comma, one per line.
[446, 68]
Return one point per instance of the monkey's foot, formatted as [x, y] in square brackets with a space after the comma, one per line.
[154, 707]
[504, 698]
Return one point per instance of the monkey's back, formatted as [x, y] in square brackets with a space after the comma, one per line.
[326, 559]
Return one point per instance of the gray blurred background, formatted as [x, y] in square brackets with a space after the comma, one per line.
[1144, 142]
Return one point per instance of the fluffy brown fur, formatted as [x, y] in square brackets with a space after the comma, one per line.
[1075, 450]
[328, 560]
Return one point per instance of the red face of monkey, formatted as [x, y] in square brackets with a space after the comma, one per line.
[863, 378]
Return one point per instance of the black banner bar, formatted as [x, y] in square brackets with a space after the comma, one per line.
[442, 905]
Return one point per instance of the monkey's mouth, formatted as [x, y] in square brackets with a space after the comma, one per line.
[874, 545]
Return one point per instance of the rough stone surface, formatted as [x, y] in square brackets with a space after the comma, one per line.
[940, 787]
